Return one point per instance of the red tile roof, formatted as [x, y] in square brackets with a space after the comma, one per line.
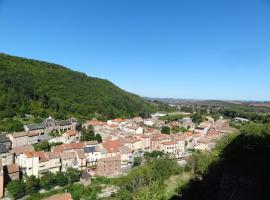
[65, 147]
[12, 168]
[96, 123]
[119, 120]
[71, 133]
[169, 143]
[112, 146]
[43, 157]
[22, 149]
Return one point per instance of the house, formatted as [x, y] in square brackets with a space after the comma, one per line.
[203, 128]
[151, 131]
[181, 145]
[169, 147]
[133, 143]
[148, 122]
[111, 148]
[14, 154]
[203, 145]
[187, 123]
[92, 154]
[70, 136]
[29, 163]
[157, 139]
[145, 141]
[5, 141]
[117, 122]
[158, 115]
[69, 160]
[81, 159]
[49, 125]
[68, 147]
[18, 139]
[37, 163]
[4, 154]
[94, 123]
[109, 166]
[12, 172]
[54, 162]
[126, 156]
[241, 120]
[133, 129]
[65, 196]
[23, 138]
[222, 127]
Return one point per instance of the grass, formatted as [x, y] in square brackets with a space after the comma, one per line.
[174, 183]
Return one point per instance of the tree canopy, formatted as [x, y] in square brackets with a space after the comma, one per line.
[44, 89]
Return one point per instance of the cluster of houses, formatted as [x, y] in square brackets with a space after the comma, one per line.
[123, 139]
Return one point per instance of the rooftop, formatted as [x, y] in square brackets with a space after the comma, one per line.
[4, 138]
[12, 168]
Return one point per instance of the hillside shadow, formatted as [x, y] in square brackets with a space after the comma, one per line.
[243, 173]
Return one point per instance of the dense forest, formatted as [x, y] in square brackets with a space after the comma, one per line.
[42, 89]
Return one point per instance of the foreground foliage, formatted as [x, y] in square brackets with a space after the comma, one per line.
[238, 168]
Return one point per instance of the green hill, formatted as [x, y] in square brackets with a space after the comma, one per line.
[42, 89]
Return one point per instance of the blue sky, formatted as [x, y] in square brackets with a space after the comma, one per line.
[172, 48]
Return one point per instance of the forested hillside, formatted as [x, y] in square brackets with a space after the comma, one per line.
[42, 89]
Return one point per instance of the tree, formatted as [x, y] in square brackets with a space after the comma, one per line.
[16, 189]
[196, 118]
[88, 134]
[73, 175]
[31, 185]
[165, 130]
[61, 179]
[43, 146]
[99, 138]
[47, 181]
[153, 154]
[137, 161]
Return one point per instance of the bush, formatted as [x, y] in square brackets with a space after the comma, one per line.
[16, 189]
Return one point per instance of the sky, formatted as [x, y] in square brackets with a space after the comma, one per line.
[189, 49]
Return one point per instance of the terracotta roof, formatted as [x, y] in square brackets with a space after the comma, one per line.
[65, 147]
[160, 137]
[65, 196]
[71, 133]
[125, 149]
[169, 143]
[53, 155]
[188, 134]
[32, 134]
[43, 157]
[68, 155]
[112, 146]
[12, 168]
[131, 140]
[180, 137]
[96, 123]
[119, 120]
[80, 153]
[113, 125]
[110, 158]
[22, 149]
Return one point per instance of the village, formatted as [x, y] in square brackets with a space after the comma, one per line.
[123, 140]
